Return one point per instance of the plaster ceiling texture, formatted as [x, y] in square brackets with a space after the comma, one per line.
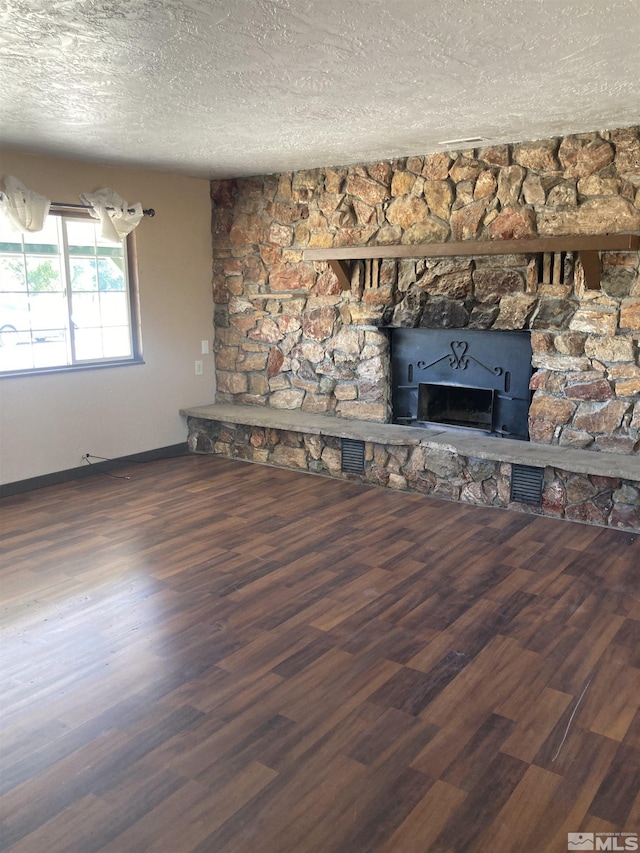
[221, 88]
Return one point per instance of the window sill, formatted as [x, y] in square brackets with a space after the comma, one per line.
[70, 368]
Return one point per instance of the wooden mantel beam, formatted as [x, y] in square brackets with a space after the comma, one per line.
[588, 248]
[595, 243]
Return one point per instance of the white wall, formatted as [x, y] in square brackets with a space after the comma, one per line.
[47, 422]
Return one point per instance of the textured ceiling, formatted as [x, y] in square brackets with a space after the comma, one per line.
[243, 87]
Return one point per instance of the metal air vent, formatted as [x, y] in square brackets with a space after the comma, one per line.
[352, 456]
[526, 484]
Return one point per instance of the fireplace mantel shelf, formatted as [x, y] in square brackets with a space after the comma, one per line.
[587, 246]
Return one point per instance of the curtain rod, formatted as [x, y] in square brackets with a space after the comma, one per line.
[150, 212]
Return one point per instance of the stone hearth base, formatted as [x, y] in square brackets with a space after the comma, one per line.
[587, 486]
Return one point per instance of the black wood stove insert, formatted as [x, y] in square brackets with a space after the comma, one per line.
[462, 378]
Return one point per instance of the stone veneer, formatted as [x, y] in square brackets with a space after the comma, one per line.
[287, 336]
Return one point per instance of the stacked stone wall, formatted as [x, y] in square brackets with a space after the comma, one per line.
[287, 336]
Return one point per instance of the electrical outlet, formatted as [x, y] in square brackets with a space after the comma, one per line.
[199, 369]
[205, 347]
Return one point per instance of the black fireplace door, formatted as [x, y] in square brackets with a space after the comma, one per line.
[469, 379]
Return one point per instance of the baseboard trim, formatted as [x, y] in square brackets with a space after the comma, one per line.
[56, 477]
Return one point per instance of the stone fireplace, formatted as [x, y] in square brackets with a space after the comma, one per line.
[289, 338]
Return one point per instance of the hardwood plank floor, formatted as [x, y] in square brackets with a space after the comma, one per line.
[218, 657]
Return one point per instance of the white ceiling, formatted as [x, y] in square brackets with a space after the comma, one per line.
[243, 87]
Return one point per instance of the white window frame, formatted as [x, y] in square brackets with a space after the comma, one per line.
[73, 363]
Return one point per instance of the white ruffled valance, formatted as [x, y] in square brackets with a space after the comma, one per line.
[23, 209]
[117, 217]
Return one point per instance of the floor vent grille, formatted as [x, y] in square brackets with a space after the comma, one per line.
[526, 484]
[352, 456]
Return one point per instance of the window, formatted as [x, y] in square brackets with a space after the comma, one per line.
[67, 298]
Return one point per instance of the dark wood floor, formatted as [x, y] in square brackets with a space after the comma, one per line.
[217, 657]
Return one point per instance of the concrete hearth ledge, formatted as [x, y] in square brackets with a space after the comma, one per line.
[458, 442]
